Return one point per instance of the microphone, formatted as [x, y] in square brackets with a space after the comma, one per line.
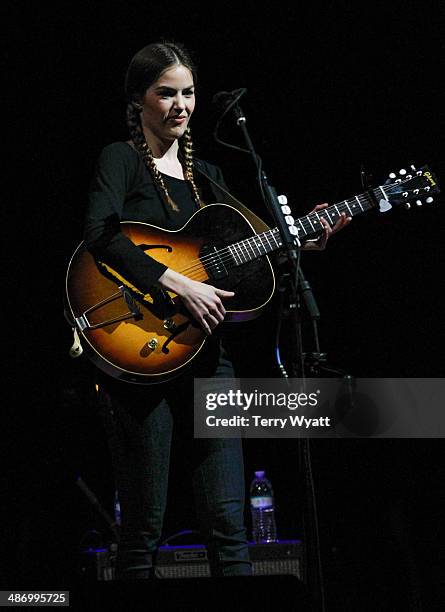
[224, 98]
[226, 101]
[229, 99]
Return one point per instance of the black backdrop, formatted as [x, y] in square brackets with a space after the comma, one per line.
[328, 88]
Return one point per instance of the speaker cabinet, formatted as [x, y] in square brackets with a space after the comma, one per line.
[278, 558]
[267, 559]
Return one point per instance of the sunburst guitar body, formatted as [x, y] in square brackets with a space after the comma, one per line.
[148, 339]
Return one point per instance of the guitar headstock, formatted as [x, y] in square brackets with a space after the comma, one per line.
[413, 185]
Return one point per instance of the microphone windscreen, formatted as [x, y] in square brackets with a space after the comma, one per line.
[222, 97]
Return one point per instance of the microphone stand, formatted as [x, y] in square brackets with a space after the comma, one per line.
[289, 240]
[297, 289]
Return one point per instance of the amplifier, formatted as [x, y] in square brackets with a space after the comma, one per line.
[267, 559]
[277, 558]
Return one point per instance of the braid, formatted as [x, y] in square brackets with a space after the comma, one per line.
[137, 136]
[145, 68]
[187, 150]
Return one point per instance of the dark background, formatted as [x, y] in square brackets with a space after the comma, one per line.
[328, 88]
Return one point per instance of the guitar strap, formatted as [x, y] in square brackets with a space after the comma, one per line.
[257, 223]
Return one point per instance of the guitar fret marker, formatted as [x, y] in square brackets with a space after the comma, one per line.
[267, 238]
[319, 220]
[257, 244]
[359, 203]
[302, 226]
[347, 205]
[276, 241]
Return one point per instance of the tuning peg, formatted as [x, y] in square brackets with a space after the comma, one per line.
[402, 171]
[419, 202]
[413, 167]
[286, 210]
[282, 199]
[429, 200]
[392, 175]
[407, 205]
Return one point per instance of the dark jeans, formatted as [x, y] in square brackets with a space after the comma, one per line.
[139, 423]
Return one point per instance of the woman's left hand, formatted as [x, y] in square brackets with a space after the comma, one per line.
[320, 243]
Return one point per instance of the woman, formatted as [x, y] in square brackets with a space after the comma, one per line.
[151, 179]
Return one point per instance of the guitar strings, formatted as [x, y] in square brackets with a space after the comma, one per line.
[225, 255]
[363, 198]
[312, 216]
[241, 247]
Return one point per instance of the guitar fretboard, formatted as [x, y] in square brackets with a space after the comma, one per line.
[307, 227]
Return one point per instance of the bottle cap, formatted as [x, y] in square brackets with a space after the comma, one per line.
[260, 474]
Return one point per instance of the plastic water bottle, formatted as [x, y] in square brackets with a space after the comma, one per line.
[117, 509]
[264, 528]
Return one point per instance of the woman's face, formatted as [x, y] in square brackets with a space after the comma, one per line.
[168, 104]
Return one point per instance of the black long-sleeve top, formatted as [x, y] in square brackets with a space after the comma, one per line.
[123, 189]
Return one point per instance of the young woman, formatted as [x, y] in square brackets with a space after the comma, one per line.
[150, 179]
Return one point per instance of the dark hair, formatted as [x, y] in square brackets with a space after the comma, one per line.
[145, 68]
[150, 62]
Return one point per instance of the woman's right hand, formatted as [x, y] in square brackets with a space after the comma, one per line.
[201, 300]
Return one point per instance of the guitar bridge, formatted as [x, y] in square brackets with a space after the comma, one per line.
[83, 322]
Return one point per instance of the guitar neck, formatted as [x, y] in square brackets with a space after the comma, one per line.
[308, 227]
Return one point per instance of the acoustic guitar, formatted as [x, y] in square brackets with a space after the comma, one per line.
[150, 338]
